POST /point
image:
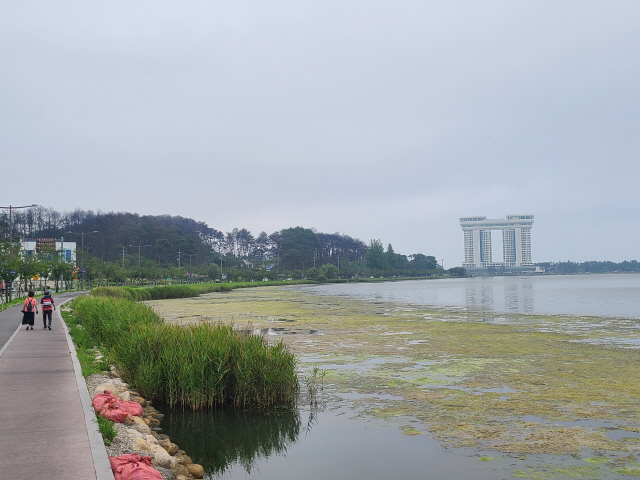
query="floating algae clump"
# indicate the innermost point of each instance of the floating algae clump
(409, 430)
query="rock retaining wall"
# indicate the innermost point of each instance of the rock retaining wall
(141, 436)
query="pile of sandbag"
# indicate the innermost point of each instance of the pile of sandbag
(133, 467)
(109, 406)
(112, 399)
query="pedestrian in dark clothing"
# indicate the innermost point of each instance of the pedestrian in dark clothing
(30, 308)
(48, 306)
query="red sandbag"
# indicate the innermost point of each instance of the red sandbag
(133, 467)
(109, 406)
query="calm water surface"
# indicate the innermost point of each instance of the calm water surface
(327, 444)
(613, 295)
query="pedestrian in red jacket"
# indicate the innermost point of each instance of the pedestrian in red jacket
(48, 306)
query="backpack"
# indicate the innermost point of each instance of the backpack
(29, 306)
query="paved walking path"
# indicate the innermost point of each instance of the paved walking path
(46, 421)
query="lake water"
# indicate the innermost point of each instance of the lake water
(338, 441)
(612, 295)
(331, 444)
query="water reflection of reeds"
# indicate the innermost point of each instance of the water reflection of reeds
(217, 439)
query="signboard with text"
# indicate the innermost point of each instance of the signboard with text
(45, 245)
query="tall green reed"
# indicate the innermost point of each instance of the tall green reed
(200, 366)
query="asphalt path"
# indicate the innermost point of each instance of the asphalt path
(11, 318)
(9, 321)
(47, 424)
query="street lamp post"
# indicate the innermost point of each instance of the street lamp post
(139, 247)
(62, 258)
(11, 208)
(180, 254)
(82, 257)
(190, 255)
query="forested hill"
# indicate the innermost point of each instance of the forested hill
(106, 234)
(168, 239)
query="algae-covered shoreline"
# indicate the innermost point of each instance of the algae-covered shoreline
(521, 385)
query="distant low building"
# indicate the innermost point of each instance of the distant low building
(36, 246)
(516, 244)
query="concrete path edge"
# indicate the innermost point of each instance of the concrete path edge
(96, 443)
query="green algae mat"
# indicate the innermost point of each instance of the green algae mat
(512, 385)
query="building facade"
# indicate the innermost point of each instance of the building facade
(516, 242)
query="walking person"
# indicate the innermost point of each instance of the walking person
(48, 306)
(30, 308)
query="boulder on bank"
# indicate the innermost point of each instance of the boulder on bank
(196, 471)
(141, 426)
(110, 387)
(183, 459)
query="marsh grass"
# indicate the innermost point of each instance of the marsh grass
(160, 292)
(182, 291)
(196, 366)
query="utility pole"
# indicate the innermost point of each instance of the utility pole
(63, 259)
(82, 257)
(11, 208)
(139, 248)
(190, 255)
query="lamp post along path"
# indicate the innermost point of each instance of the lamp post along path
(11, 208)
(82, 256)
(139, 247)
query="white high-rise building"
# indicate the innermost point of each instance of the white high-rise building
(516, 241)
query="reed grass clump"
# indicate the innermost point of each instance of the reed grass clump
(160, 292)
(199, 366)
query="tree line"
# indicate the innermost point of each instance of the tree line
(47, 264)
(570, 267)
(126, 246)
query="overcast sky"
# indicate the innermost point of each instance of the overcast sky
(386, 120)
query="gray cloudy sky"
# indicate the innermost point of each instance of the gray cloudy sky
(375, 119)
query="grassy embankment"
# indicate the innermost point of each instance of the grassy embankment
(15, 301)
(202, 366)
